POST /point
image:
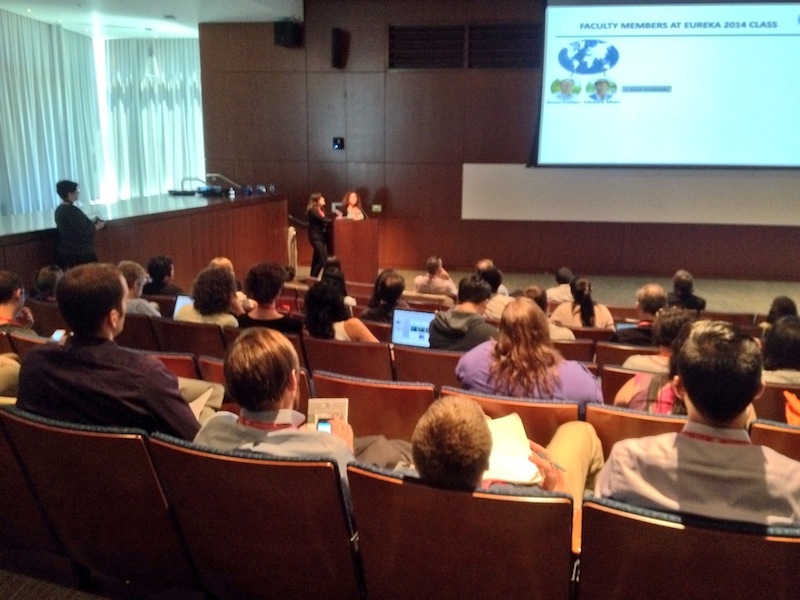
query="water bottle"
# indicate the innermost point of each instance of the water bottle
(231, 193)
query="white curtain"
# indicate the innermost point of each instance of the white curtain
(49, 119)
(155, 115)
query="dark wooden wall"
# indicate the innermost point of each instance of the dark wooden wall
(270, 114)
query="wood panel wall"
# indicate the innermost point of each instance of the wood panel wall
(271, 112)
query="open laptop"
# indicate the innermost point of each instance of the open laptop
(411, 327)
(181, 301)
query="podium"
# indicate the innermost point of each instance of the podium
(355, 243)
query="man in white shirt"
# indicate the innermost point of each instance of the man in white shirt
(436, 280)
(711, 468)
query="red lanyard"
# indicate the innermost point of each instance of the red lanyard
(265, 425)
(711, 438)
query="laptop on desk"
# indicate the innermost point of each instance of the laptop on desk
(181, 301)
(411, 327)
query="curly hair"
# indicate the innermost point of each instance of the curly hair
(524, 358)
(212, 291)
(324, 307)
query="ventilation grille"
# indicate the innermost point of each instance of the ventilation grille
(513, 46)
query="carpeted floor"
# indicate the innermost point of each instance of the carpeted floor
(14, 586)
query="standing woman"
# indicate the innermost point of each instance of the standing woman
(75, 229)
(351, 205)
(317, 231)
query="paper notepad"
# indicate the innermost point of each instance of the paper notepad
(198, 404)
(510, 450)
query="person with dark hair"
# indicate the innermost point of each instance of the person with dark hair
(161, 270)
(436, 280)
(214, 295)
(498, 301)
(136, 278)
(523, 362)
(486, 263)
(463, 327)
(75, 230)
(351, 205)
(333, 276)
(781, 351)
(666, 327)
(782, 306)
(582, 311)
(45, 282)
(650, 298)
(14, 315)
(682, 294)
(539, 296)
(389, 288)
(327, 317)
(318, 224)
(263, 283)
(709, 469)
(561, 292)
(90, 379)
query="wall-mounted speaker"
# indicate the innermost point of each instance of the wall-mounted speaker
(288, 34)
(340, 47)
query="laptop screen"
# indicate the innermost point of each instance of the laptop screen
(180, 302)
(625, 325)
(410, 327)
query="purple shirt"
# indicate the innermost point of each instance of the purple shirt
(575, 382)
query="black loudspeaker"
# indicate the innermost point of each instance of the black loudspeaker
(340, 47)
(288, 34)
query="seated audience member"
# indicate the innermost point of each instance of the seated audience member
(650, 299)
(781, 351)
(782, 306)
(214, 295)
(161, 270)
(484, 264)
(327, 317)
(333, 276)
(389, 288)
(45, 282)
(136, 277)
(463, 327)
(14, 315)
(711, 468)
(539, 296)
(452, 443)
(666, 327)
(561, 292)
(582, 311)
(497, 302)
(523, 363)
(436, 280)
(223, 262)
(263, 283)
(682, 294)
(261, 376)
(91, 380)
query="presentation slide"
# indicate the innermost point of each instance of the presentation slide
(712, 85)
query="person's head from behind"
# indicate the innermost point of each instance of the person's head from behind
(483, 264)
(160, 268)
(564, 275)
(46, 280)
(719, 369)
(581, 290)
(222, 262)
(264, 282)
(324, 307)
(682, 283)
(91, 299)
(67, 190)
(492, 276)
(389, 287)
(651, 298)
(782, 345)
(315, 201)
(782, 306)
(135, 276)
(260, 368)
(451, 444)
(473, 289)
(433, 265)
(11, 288)
(538, 295)
(668, 324)
(212, 291)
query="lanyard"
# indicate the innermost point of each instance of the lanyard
(265, 425)
(710, 438)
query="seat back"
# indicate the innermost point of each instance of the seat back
(541, 418)
(606, 353)
(181, 364)
(382, 331)
(414, 543)
(613, 424)
(377, 406)
(581, 350)
(98, 488)
(612, 378)
(772, 403)
(778, 436)
(138, 333)
(359, 359)
(25, 342)
(637, 553)
(596, 334)
(423, 364)
(287, 534)
(166, 304)
(46, 317)
(197, 338)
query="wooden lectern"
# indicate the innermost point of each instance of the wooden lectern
(355, 243)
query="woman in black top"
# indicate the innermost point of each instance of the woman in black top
(75, 229)
(263, 283)
(317, 231)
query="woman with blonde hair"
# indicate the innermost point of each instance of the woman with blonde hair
(523, 363)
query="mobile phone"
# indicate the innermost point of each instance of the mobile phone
(324, 425)
(58, 335)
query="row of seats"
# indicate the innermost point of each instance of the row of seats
(131, 514)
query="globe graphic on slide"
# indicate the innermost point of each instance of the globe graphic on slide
(588, 57)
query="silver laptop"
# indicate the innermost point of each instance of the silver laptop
(411, 327)
(180, 302)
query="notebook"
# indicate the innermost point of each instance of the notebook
(411, 327)
(180, 302)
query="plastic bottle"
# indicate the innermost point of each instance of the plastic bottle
(231, 193)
